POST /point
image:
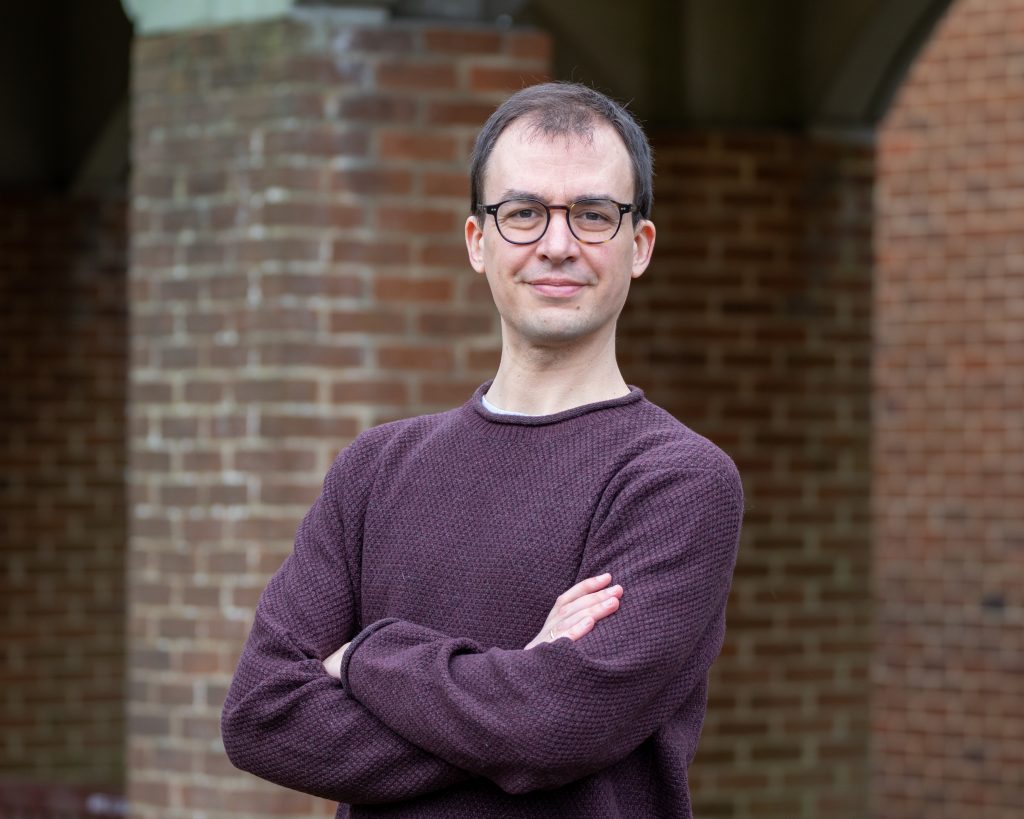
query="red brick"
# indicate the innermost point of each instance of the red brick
(375, 108)
(372, 181)
(462, 41)
(233, 286)
(371, 252)
(201, 183)
(441, 183)
(459, 325)
(276, 390)
(275, 285)
(444, 254)
(418, 75)
(278, 459)
(406, 289)
(309, 354)
(321, 141)
(470, 114)
(287, 177)
(447, 393)
(303, 426)
(254, 251)
(415, 358)
(414, 145)
(265, 106)
(384, 40)
(417, 220)
(534, 45)
(368, 321)
(203, 392)
(326, 70)
(488, 78)
(485, 361)
(199, 324)
(371, 392)
(313, 214)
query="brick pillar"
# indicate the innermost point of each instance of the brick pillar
(948, 709)
(63, 356)
(297, 275)
(752, 326)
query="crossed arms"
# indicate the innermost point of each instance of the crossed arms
(574, 615)
(417, 710)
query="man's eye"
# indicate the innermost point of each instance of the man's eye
(594, 217)
(524, 213)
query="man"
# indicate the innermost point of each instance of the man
(406, 659)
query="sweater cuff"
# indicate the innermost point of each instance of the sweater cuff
(355, 643)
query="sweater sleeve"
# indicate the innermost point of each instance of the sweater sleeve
(538, 719)
(285, 719)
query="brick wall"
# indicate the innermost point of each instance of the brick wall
(752, 325)
(62, 455)
(948, 715)
(297, 275)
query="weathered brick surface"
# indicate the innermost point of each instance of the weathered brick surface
(752, 325)
(948, 713)
(297, 274)
(63, 356)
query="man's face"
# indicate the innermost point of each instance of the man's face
(558, 291)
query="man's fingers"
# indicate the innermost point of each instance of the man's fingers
(582, 628)
(578, 608)
(591, 584)
(597, 611)
(588, 600)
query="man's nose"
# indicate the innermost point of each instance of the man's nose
(558, 243)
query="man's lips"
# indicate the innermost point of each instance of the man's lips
(557, 287)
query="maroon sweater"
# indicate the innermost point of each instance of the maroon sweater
(438, 546)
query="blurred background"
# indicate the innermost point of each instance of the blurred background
(230, 239)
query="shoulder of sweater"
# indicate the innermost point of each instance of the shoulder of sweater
(665, 436)
(372, 442)
(667, 443)
(354, 468)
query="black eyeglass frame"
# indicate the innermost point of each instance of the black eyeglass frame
(493, 211)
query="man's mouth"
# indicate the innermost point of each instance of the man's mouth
(558, 288)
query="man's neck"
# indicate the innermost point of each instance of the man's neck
(543, 382)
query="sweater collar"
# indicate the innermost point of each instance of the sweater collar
(476, 403)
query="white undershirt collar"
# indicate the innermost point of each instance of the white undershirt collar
(497, 410)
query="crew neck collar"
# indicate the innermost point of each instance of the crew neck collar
(476, 403)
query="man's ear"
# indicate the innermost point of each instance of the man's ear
(643, 246)
(475, 244)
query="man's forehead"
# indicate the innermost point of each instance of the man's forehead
(524, 149)
(531, 132)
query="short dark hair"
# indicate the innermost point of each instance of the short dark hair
(566, 109)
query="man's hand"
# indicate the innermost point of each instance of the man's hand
(332, 665)
(577, 610)
(574, 614)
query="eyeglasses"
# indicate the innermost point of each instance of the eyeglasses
(525, 221)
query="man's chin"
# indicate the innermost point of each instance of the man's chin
(553, 336)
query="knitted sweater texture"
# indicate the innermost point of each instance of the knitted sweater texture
(438, 546)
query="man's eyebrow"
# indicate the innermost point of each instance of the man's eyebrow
(513, 193)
